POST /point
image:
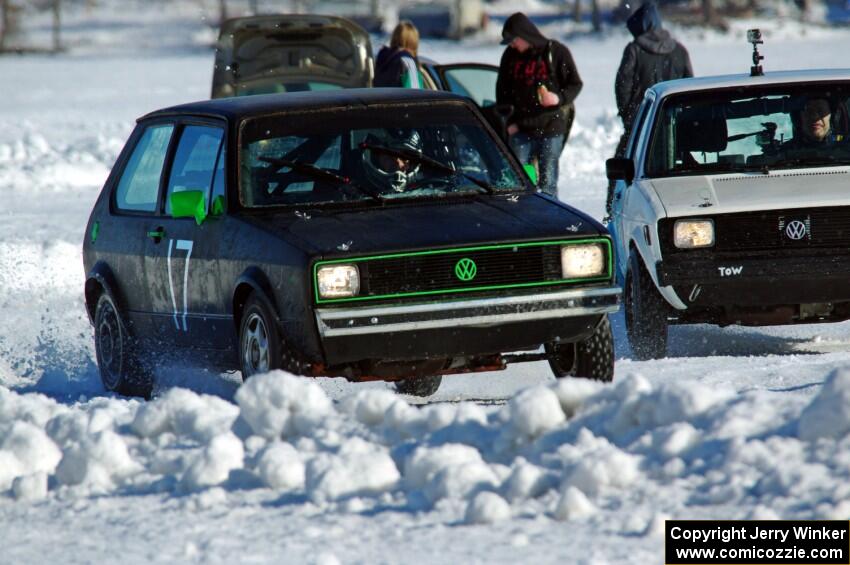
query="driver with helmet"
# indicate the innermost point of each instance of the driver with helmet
(389, 158)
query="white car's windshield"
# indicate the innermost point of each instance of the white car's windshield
(751, 130)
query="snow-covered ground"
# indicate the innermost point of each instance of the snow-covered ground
(736, 423)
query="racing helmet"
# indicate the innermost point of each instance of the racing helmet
(381, 167)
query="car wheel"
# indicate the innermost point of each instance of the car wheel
(117, 354)
(261, 347)
(592, 358)
(419, 386)
(646, 313)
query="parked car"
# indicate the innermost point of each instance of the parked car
(292, 53)
(297, 52)
(362, 233)
(731, 205)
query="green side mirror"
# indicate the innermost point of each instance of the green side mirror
(188, 204)
(217, 206)
(531, 171)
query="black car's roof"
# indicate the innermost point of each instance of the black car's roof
(241, 107)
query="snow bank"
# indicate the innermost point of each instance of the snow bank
(571, 450)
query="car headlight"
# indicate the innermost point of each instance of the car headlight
(688, 234)
(338, 281)
(582, 260)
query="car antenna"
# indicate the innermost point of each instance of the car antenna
(754, 37)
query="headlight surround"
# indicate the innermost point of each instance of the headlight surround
(338, 281)
(690, 234)
(582, 260)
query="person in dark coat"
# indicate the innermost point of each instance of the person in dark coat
(538, 77)
(396, 64)
(653, 56)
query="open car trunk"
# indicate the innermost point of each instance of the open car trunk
(287, 53)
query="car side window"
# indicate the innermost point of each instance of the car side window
(138, 188)
(637, 126)
(476, 83)
(194, 162)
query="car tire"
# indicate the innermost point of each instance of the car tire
(646, 313)
(419, 386)
(592, 358)
(261, 347)
(118, 355)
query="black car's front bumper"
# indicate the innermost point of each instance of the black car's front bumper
(462, 327)
(766, 280)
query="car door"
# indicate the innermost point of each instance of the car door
(625, 194)
(181, 253)
(474, 80)
(134, 203)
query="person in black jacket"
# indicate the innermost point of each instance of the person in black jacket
(538, 77)
(396, 64)
(653, 56)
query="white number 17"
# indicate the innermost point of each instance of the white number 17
(181, 245)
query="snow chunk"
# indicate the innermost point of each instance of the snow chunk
(828, 415)
(212, 467)
(535, 411)
(281, 467)
(527, 481)
(487, 508)
(185, 413)
(372, 407)
(597, 464)
(573, 505)
(278, 404)
(99, 461)
(30, 488)
(25, 450)
(573, 393)
(449, 471)
(359, 468)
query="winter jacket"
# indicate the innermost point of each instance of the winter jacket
(396, 67)
(652, 57)
(546, 63)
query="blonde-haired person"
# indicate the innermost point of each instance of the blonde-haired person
(396, 64)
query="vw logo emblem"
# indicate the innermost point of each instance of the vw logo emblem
(465, 269)
(795, 230)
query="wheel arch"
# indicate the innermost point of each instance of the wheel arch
(252, 279)
(101, 280)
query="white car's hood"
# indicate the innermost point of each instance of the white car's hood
(723, 194)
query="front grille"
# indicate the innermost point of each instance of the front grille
(772, 230)
(434, 272)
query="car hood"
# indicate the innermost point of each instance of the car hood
(429, 225)
(723, 194)
(290, 50)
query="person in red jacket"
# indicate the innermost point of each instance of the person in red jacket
(538, 77)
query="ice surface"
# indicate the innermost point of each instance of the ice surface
(735, 423)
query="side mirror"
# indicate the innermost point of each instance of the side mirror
(620, 168)
(188, 204)
(531, 171)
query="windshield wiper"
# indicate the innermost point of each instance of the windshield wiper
(428, 162)
(319, 173)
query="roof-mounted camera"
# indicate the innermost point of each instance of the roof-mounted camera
(754, 37)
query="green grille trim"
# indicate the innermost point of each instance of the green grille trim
(343, 261)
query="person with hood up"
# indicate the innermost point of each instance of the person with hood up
(538, 77)
(396, 64)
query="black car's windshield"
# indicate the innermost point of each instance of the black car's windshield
(747, 129)
(386, 153)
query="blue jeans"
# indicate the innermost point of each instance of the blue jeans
(548, 152)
